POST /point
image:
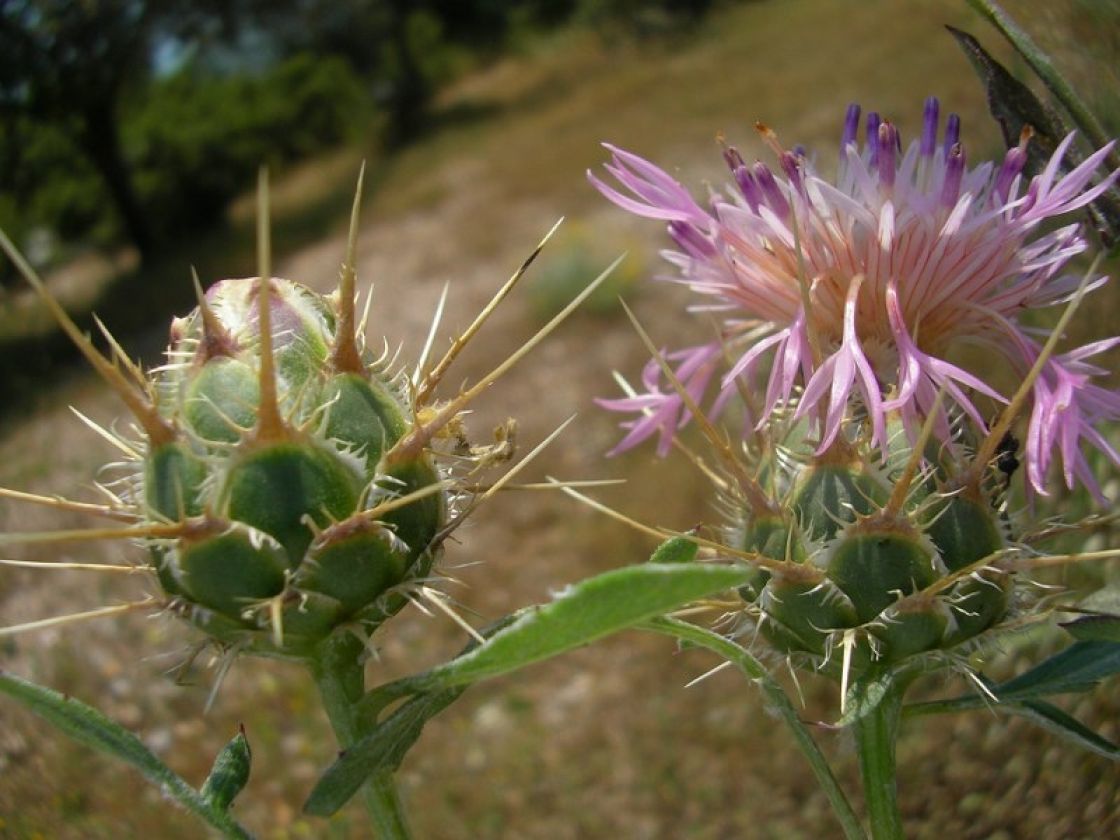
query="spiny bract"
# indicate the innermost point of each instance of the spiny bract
(283, 480)
(868, 558)
(277, 504)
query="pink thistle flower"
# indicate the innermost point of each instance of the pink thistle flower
(903, 258)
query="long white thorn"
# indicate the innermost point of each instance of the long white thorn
(709, 673)
(59, 503)
(609, 511)
(92, 567)
(432, 378)
(752, 492)
(102, 432)
(438, 600)
(409, 445)
(847, 644)
(524, 462)
(988, 446)
(437, 316)
(57, 620)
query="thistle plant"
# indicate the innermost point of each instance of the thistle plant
(866, 478)
(291, 492)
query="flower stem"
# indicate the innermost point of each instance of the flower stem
(780, 702)
(876, 734)
(338, 672)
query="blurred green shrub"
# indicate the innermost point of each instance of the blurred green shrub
(196, 143)
(640, 18)
(47, 187)
(574, 258)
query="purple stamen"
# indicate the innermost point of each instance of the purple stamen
(952, 134)
(771, 190)
(929, 127)
(888, 143)
(1013, 163)
(954, 170)
(851, 129)
(873, 138)
(732, 157)
(791, 165)
(748, 187)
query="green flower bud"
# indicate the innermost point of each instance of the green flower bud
(280, 539)
(859, 547)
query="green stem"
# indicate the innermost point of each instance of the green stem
(779, 701)
(1040, 63)
(876, 734)
(339, 674)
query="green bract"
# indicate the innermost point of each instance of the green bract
(281, 535)
(864, 556)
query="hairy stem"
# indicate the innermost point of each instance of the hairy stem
(780, 702)
(876, 734)
(338, 673)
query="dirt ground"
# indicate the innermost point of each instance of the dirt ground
(603, 742)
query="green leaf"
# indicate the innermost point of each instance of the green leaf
(229, 773)
(1054, 720)
(1040, 63)
(1013, 104)
(88, 726)
(583, 613)
(1094, 628)
(379, 752)
(1077, 668)
(675, 550)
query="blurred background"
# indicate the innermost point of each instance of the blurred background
(131, 134)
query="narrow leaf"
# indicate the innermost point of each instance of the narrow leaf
(1094, 628)
(229, 773)
(379, 752)
(88, 726)
(583, 613)
(1013, 104)
(1040, 62)
(1054, 720)
(1077, 668)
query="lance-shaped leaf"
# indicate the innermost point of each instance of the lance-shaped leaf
(379, 752)
(1057, 722)
(1080, 667)
(1014, 107)
(583, 613)
(88, 726)
(1013, 104)
(1094, 628)
(1077, 668)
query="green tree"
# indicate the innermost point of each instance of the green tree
(69, 65)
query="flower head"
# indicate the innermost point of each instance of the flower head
(861, 289)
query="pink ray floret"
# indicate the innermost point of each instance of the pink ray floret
(861, 290)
